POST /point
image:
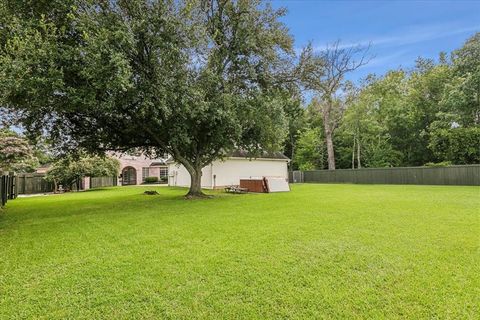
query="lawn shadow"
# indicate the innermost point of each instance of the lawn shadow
(110, 202)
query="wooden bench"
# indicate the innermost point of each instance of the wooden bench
(235, 189)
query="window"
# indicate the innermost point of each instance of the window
(145, 173)
(163, 173)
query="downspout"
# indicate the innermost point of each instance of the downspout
(213, 176)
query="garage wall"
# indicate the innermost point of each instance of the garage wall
(229, 172)
(232, 170)
(178, 176)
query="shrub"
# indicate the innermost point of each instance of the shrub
(438, 164)
(457, 145)
(151, 179)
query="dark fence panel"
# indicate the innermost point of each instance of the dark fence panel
(7, 188)
(98, 182)
(451, 175)
(29, 183)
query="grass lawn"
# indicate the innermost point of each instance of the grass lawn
(320, 251)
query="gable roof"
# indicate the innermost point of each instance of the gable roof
(239, 153)
(158, 163)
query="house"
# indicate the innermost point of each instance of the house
(42, 169)
(227, 172)
(135, 168)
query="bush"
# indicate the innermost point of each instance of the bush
(151, 179)
(438, 164)
(457, 145)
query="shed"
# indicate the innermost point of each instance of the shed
(238, 165)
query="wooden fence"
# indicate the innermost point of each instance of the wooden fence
(98, 182)
(451, 175)
(29, 183)
(7, 188)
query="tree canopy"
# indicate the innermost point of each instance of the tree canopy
(407, 117)
(191, 78)
(199, 78)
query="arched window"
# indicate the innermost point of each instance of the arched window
(129, 176)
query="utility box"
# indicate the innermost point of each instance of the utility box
(254, 184)
(265, 184)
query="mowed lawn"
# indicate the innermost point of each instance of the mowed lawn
(320, 251)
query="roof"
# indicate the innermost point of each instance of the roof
(265, 155)
(43, 168)
(158, 163)
(245, 154)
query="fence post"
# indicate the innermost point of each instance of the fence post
(11, 186)
(3, 191)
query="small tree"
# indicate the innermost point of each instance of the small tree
(295, 114)
(310, 150)
(16, 154)
(69, 170)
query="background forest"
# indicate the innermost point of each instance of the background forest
(429, 115)
(425, 115)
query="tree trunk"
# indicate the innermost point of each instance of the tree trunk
(359, 163)
(328, 128)
(353, 153)
(330, 151)
(292, 156)
(195, 190)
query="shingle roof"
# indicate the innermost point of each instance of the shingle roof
(265, 155)
(157, 163)
(245, 154)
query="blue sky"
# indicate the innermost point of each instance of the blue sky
(399, 31)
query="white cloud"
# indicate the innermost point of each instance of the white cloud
(386, 59)
(420, 34)
(410, 35)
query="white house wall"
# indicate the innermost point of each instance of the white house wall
(229, 172)
(179, 176)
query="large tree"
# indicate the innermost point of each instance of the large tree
(324, 73)
(192, 78)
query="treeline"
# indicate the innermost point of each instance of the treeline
(429, 115)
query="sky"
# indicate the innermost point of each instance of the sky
(398, 31)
